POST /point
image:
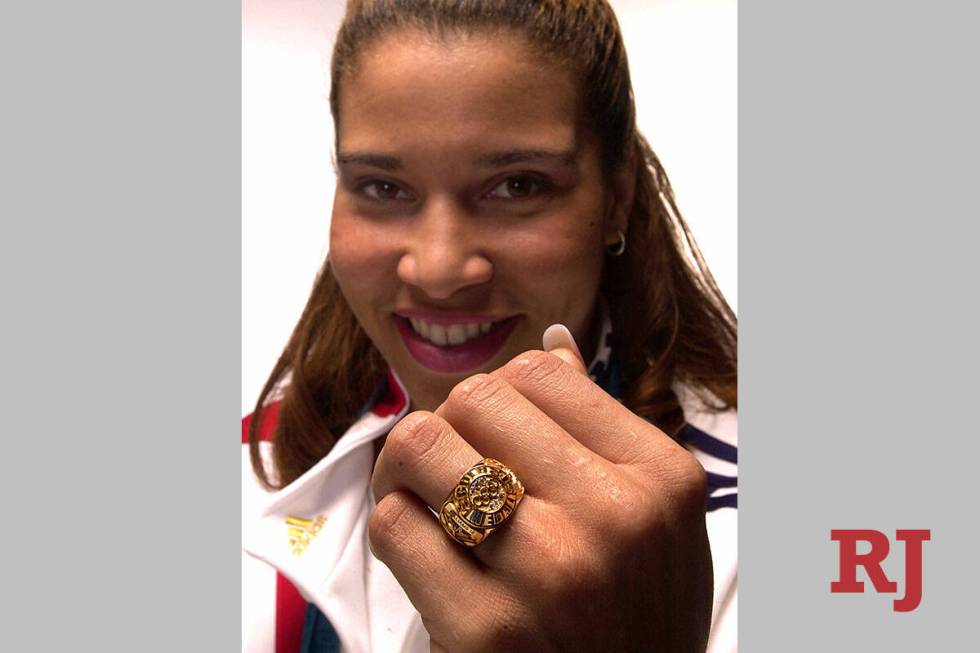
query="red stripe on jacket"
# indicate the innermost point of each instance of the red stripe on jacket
(392, 401)
(290, 604)
(269, 416)
(290, 614)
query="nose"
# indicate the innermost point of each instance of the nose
(444, 253)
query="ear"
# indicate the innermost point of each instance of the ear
(623, 188)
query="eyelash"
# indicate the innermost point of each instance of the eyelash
(539, 185)
(362, 189)
(542, 186)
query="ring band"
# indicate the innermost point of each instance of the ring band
(485, 497)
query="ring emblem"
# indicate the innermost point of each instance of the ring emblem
(485, 497)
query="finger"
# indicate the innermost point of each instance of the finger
(434, 571)
(424, 455)
(585, 411)
(558, 340)
(530, 538)
(569, 356)
(501, 423)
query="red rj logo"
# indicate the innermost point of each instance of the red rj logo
(871, 561)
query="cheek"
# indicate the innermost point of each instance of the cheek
(567, 255)
(555, 275)
(361, 258)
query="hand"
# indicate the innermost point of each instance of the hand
(608, 550)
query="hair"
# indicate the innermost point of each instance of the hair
(670, 320)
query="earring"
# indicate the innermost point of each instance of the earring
(618, 248)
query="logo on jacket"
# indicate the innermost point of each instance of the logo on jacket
(302, 532)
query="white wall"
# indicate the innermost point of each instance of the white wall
(683, 57)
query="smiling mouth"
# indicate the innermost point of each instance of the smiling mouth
(454, 348)
(451, 334)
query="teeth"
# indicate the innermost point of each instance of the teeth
(437, 334)
(455, 334)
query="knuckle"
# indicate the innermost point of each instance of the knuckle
(676, 483)
(642, 524)
(689, 481)
(697, 476)
(475, 391)
(415, 438)
(389, 523)
(535, 367)
(634, 515)
(634, 509)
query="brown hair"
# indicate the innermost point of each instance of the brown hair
(670, 320)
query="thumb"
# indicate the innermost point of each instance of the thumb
(558, 340)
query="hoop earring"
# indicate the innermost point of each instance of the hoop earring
(618, 248)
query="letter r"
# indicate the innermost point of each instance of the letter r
(871, 561)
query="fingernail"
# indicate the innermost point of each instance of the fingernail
(558, 335)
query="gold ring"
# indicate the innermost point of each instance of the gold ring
(485, 497)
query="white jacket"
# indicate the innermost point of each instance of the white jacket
(312, 535)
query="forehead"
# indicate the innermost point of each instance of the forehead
(469, 92)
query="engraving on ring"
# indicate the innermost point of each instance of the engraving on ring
(484, 498)
(487, 494)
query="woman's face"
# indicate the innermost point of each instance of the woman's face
(471, 211)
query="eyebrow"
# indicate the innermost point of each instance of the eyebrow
(383, 161)
(492, 160)
(510, 157)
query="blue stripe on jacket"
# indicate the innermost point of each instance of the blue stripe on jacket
(709, 444)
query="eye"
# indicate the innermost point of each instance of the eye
(383, 191)
(519, 187)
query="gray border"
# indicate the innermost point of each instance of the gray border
(858, 223)
(120, 254)
(120, 265)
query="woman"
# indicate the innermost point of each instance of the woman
(491, 183)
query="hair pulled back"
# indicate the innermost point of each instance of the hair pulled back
(671, 322)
